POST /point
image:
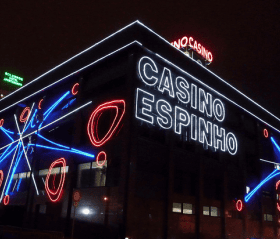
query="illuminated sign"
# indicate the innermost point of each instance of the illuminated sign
(178, 105)
(13, 79)
(184, 42)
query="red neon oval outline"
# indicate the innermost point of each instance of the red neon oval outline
(22, 118)
(239, 208)
(73, 89)
(1, 122)
(40, 103)
(265, 133)
(98, 156)
(119, 105)
(1, 177)
(58, 192)
(6, 200)
(277, 204)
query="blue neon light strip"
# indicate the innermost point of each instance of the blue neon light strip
(57, 144)
(19, 182)
(19, 155)
(47, 113)
(31, 120)
(64, 150)
(8, 131)
(7, 154)
(5, 131)
(270, 176)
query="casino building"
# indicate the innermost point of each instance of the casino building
(157, 145)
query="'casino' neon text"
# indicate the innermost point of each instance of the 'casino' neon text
(179, 115)
(184, 42)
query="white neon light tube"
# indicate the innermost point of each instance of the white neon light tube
(71, 74)
(72, 58)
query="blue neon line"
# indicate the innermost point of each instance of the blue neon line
(19, 182)
(68, 104)
(12, 174)
(64, 150)
(31, 121)
(270, 176)
(3, 157)
(6, 133)
(59, 145)
(3, 154)
(54, 105)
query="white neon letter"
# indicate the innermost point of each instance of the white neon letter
(190, 39)
(219, 138)
(182, 118)
(182, 87)
(144, 101)
(166, 82)
(205, 132)
(231, 143)
(205, 103)
(148, 71)
(219, 110)
(193, 127)
(164, 109)
(193, 96)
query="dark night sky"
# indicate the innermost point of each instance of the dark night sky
(242, 35)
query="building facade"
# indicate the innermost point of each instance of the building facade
(156, 144)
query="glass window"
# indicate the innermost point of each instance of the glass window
(214, 211)
(177, 207)
(188, 208)
(206, 210)
(268, 217)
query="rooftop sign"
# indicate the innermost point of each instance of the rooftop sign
(184, 42)
(13, 79)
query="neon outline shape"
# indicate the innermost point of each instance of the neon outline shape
(22, 118)
(1, 177)
(265, 133)
(73, 89)
(1, 122)
(55, 196)
(40, 104)
(92, 127)
(239, 206)
(98, 156)
(277, 204)
(6, 200)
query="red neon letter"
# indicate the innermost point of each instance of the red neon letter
(22, 117)
(1, 122)
(92, 127)
(177, 45)
(277, 204)
(40, 103)
(239, 205)
(6, 200)
(55, 196)
(98, 158)
(75, 89)
(184, 42)
(265, 133)
(190, 39)
(1, 177)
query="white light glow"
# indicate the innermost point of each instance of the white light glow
(86, 211)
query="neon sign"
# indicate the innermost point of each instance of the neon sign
(184, 42)
(13, 79)
(182, 117)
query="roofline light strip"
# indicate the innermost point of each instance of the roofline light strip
(216, 91)
(73, 57)
(270, 162)
(213, 73)
(98, 60)
(48, 124)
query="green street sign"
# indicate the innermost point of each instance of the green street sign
(13, 79)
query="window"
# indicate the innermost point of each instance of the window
(205, 210)
(188, 208)
(268, 217)
(177, 207)
(211, 211)
(20, 182)
(91, 175)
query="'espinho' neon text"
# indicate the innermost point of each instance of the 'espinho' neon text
(155, 110)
